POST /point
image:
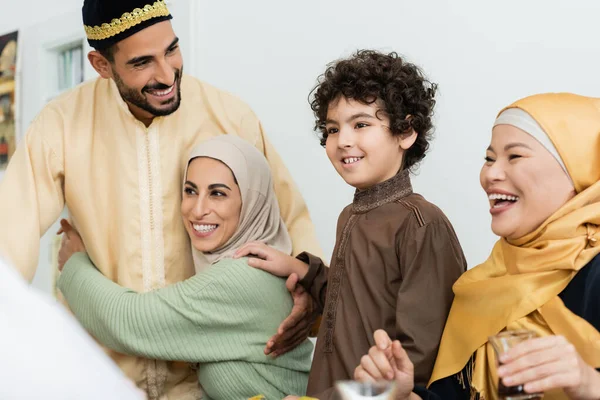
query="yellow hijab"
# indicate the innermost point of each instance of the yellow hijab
(518, 286)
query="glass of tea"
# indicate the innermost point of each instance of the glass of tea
(353, 390)
(502, 343)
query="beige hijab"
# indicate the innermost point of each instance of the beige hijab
(260, 219)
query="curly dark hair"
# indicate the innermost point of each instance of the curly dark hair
(370, 76)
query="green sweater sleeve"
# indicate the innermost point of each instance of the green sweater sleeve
(226, 312)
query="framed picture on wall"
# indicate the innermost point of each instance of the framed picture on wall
(8, 73)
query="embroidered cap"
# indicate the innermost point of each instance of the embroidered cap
(107, 22)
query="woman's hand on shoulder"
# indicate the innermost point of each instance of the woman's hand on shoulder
(547, 363)
(271, 260)
(71, 243)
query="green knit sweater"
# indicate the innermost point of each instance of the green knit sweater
(220, 318)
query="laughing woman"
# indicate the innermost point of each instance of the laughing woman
(542, 178)
(223, 316)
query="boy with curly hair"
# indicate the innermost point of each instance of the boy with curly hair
(396, 255)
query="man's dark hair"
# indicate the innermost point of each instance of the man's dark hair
(109, 52)
(400, 87)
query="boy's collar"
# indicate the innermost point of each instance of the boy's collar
(385, 192)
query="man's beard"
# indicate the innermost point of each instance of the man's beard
(137, 98)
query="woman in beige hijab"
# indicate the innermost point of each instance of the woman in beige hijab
(223, 316)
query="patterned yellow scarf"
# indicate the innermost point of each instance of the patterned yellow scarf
(518, 286)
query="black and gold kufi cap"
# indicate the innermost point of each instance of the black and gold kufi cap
(107, 22)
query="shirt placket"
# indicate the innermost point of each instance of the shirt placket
(152, 243)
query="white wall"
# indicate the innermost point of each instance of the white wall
(483, 54)
(21, 13)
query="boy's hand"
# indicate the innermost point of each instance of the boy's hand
(271, 260)
(388, 361)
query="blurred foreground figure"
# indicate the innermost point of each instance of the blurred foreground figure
(45, 354)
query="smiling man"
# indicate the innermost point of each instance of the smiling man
(113, 150)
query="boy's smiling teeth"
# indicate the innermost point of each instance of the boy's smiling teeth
(204, 227)
(351, 160)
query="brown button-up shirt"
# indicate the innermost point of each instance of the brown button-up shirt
(394, 263)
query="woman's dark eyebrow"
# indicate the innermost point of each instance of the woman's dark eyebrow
(192, 184)
(218, 185)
